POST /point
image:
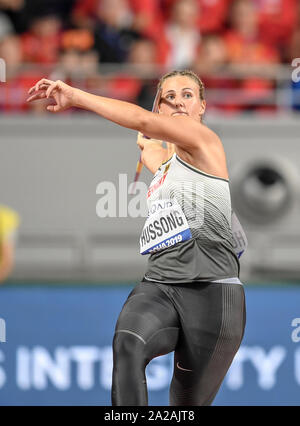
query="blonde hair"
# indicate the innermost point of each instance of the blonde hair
(183, 73)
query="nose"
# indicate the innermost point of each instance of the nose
(179, 102)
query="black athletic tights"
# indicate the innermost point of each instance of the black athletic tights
(202, 322)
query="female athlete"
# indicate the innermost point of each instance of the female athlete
(190, 300)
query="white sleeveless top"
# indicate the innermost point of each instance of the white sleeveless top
(188, 229)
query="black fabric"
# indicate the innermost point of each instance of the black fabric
(203, 323)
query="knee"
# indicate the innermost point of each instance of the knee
(128, 347)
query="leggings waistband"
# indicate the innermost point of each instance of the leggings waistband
(233, 280)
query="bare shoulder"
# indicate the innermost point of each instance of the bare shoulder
(208, 155)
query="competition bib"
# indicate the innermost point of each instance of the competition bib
(165, 226)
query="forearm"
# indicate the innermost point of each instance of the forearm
(120, 112)
(153, 157)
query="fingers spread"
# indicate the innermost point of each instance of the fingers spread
(50, 89)
(36, 96)
(43, 82)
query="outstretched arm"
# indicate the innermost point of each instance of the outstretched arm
(182, 131)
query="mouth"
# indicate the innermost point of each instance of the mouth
(180, 113)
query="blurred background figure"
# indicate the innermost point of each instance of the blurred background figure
(138, 82)
(247, 49)
(182, 35)
(211, 62)
(277, 22)
(78, 60)
(113, 30)
(40, 44)
(19, 78)
(9, 223)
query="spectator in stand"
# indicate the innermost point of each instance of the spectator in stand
(18, 80)
(7, 9)
(84, 13)
(22, 12)
(212, 18)
(212, 56)
(41, 43)
(6, 27)
(137, 85)
(245, 48)
(212, 14)
(113, 31)
(211, 64)
(277, 21)
(147, 17)
(78, 62)
(182, 37)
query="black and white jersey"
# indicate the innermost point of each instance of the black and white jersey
(188, 230)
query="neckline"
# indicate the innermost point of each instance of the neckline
(198, 170)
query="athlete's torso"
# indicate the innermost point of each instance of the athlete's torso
(188, 231)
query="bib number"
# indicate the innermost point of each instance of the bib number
(165, 226)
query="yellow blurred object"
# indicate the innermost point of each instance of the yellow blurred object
(9, 222)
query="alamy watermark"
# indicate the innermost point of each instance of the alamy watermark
(2, 71)
(115, 201)
(121, 201)
(2, 331)
(296, 332)
(296, 72)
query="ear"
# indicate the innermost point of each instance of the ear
(202, 110)
(203, 107)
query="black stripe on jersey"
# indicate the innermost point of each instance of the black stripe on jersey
(199, 171)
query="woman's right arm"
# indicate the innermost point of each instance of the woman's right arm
(153, 154)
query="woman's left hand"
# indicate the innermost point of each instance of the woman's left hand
(62, 93)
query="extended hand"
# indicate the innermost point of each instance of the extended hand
(62, 94)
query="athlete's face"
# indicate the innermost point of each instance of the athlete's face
(180, 96)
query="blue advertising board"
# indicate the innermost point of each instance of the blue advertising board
(55, 348)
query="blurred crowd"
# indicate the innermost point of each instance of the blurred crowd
(77, 40)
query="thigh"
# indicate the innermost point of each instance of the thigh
(212, 317)
(212, 327)
(149, 314)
